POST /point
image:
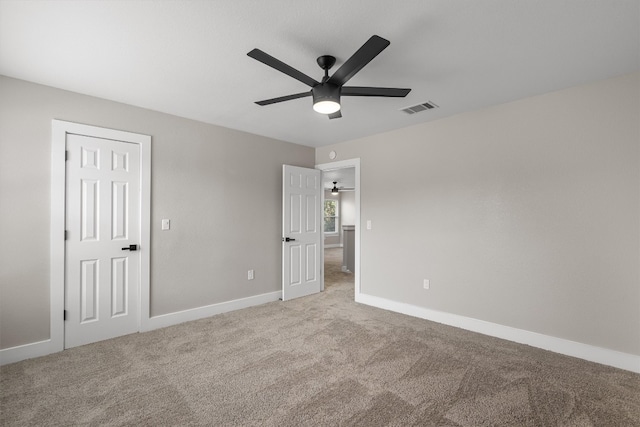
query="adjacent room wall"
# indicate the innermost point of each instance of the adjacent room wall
(526, 214)
(221, 188)
(348, 207)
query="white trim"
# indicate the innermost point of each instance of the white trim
(342, 164)
(322, 199)
(57, 226)
(588, 352)
(171, 319)
(59, 131)
(42, 348)
(26, 351)
(334, 245)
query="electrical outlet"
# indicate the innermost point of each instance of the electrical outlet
(425, 284)
(250, 275)
(368, 224)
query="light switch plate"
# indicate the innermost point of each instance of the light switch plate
(166, 224)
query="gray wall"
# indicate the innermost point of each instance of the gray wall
(221, 189)
(526, 214)
(348, 207)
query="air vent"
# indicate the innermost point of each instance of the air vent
(420, 107)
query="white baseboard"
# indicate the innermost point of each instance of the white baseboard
(171, 319)
(27, 351)
(42, 348)
(588, 352)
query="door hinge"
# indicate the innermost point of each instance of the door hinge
(66, 234)
(64, 314)
(66, 155)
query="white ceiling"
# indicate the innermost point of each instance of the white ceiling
(188, 58)
(345, 178)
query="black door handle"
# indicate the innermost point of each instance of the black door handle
(131, 248)
(287, 239)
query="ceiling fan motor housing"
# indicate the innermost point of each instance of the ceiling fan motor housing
(326, 92)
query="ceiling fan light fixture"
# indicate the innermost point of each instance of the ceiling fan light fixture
(334, 190)
(326, 107)
(326, 98)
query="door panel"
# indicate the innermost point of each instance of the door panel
(295, 214)
(310, 258)
(301, 255)
(89, 290)
(311, 213)
(102, 218)
(119, 217)
(89, 207)
(296, 263)
(119, 286)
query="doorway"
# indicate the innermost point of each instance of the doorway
(101, 206)
(341, 223)
(102, 260)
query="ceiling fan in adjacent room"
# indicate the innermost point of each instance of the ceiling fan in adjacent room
(326, 93)
(335, 190)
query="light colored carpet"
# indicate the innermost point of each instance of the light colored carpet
(316, 361)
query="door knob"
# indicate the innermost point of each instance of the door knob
(131, 248)
(287, 239)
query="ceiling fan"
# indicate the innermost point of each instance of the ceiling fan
(335, 190)
(326, 93)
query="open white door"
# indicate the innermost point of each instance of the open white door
(301, 232)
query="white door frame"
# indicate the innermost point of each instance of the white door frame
(342, 164)
(59, 131)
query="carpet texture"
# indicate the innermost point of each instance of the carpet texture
(321, 360)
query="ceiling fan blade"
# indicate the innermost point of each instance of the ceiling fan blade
(272, 62)
(335, 115)
(374, 91)
(362, 57)
(283, 98)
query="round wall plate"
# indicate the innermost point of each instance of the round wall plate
(332, 154)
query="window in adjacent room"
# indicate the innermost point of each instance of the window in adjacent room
(330, 216)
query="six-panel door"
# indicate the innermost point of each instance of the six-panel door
(102, 219)
(301, 224)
